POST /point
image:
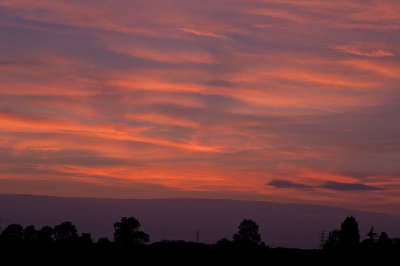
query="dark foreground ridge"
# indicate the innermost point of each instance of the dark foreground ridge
(204, 220)
(62, 244)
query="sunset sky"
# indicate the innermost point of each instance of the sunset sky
(294, 101)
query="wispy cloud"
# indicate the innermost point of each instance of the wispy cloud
(203, 33)
(364, 49)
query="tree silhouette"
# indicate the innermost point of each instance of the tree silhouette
(86, 239)
(65, 232)
(384, 242)
(29, 233)
(223, 243)
(45, 234)
(248, 233)
(104, 242)
(349, 235)
(370, 242)
(332, 241)
(127, 233)
(13, 232)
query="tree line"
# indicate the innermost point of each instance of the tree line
(128, 233)
(348, 237)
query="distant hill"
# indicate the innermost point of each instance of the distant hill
(284, 225)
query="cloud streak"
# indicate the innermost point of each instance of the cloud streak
(287, 184)
(331, 185)
(348, 186)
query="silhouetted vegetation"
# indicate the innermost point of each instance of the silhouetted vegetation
(45, 235)
(246, 245)
(13, 233)
(333, 240)
(349, 236)
(248, 234)
(348, 239)
(65, 232)
(127, 233)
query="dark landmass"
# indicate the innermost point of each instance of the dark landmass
(64, 244)
(209, 220)
(191, 254)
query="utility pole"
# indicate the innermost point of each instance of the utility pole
(321, 239)
(197, 236)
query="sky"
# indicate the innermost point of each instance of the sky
(293, 101)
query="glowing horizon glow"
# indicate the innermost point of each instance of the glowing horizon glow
(285, 101)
